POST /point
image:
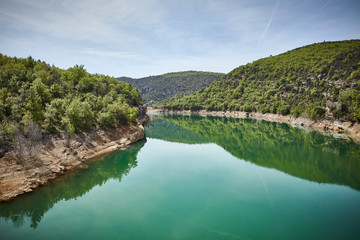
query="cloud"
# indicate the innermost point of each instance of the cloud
(84, 20)
(110, 54)
(325, 5)
(136, 37)
(270, 21)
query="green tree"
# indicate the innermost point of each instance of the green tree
(80, 115)
(54, 112)
(35, 107)
(317, 113)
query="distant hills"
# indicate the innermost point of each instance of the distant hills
(155, 89)
(318, 81)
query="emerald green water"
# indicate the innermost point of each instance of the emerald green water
(202, 178)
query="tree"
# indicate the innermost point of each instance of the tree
(53, 114)
(117, 113)
(41, 90)
(317, 113)
(80, 115)
(35, 107)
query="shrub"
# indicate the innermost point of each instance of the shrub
(284, 110)
(80, 115)
(295, 112)
(248, 108)
(317, 113)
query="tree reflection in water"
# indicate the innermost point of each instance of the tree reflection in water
(305, 154)
(70, 186)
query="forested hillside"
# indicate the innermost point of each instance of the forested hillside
(157, 88)
(318, 81)
(36, 98)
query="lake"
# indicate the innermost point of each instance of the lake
(202, 178)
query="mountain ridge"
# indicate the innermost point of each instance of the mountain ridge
(155, 89)
(317, 81)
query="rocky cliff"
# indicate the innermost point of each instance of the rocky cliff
(59, 155)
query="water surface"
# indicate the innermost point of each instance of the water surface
(202, 178)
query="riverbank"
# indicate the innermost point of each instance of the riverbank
(60, 155)
(338, 128)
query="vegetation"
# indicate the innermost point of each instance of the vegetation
(155, 89)
(191, 73)
(317, 81)
(32, 93)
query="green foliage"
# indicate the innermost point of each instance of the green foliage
(155, 89)
(349, 104)
(53, 114)
(59, 100)
(295, 111)
(191, 73)
(284, 109)
(80, 115)
(34, 105)
(317, 113)
(117, 113)
(293, 83)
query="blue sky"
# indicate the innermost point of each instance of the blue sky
(138, 38)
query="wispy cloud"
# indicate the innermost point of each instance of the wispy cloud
(140, 37)
(325, 5)
(110, 54)
(89, 20)
(270, 21)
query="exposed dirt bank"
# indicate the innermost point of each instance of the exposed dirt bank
(59, 155)
(346, 129)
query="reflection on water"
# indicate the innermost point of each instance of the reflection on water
(186, 186)
(71, 186)
(308, 155)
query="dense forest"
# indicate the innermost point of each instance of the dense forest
(36, 98)
(155, 89)
(316, 81)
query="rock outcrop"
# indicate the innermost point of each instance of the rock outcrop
(58, 155)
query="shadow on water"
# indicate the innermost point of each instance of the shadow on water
(70, 186)
(307, 155)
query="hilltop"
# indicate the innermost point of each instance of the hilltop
(36, 98)
(155, 89)
(316, 81)
(52, 120)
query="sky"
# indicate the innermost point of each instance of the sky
(139, 38)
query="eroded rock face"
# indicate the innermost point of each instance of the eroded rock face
(60, 155)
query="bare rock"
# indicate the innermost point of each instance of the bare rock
(16, 179)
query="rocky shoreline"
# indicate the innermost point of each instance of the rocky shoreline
(338, 128)
(59, 155)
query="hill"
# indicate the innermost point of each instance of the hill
(316, 81)
(154, 89)
(37, 99)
